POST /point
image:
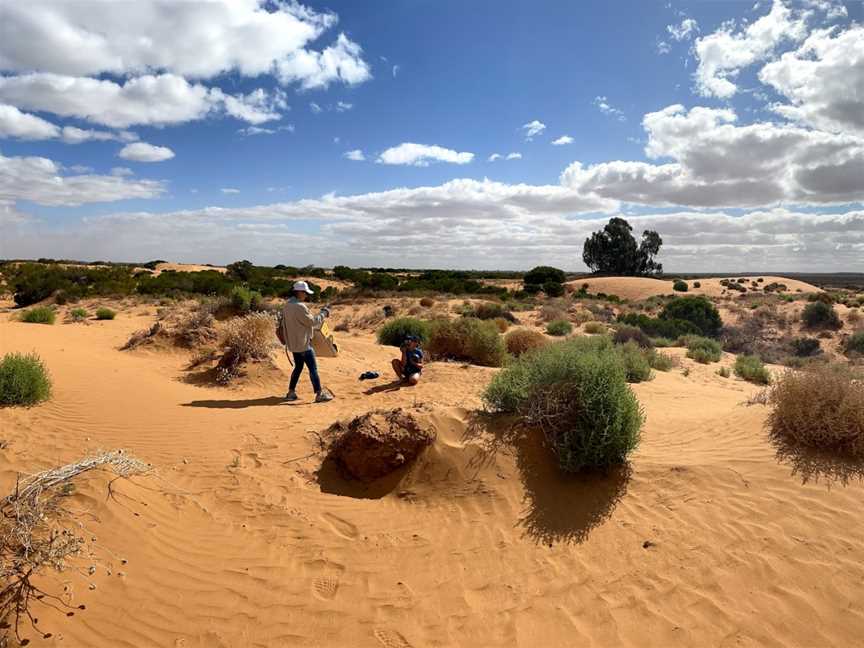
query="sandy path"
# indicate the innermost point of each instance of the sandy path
(484, 543)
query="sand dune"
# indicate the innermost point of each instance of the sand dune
(645, 287)
(706, 540)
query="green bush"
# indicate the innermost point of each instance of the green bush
(702, 349)
(559, 328)
(751, 369)
(491, 311)
(394, 332)
(553, 289)
(818, 314)
(697, 310)
(679, 285)
(855, 344)
(39, 315)
(697, 284)
(656, 327)
(241, 299)
(636, 362)
(624, 334)
(105, 314)
(78, 314)
(595, 328)
(23, 380)
(521, 340)
(467, 339)
(576, 391)
(806, 347)
(724, 372)
(663, 342)
(661, 361)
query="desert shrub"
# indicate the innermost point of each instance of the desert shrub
(697, 310)
(256, 301)
(24, 380)
(502, 324)
(656, 327)
(821, 407)
(679, 285)
(549, 313)
(553, 289)
(241, 299)
(105, 314)
(661, 361)
(823, 297)
(468, 339)
(518, 341)
(751, 369)
(582, 316)
(663, 342)
(427, 302)
(491, 311)
(702, 349)
(853, 316)
(636, 363)
(247, 338)
(78, 314)
(805, 347)
(595, 328)
(394, 332)
(39, 315)
(724, 372)
(559, 327)
(818, 314)
(697, 284)
(855, 344)
(576, 392)
(624, 334)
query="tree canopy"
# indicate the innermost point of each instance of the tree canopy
(614, 250)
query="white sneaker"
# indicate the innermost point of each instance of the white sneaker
(323, 396)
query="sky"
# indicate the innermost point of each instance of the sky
(409, 133)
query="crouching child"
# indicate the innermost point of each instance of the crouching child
(409, 367)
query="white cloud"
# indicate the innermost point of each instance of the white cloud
(663, 47)
(229, 190)
(315, 108)
(396, 69)
(723, 53)
(532, 129)
(342, 106)
(606, 108)
(356, 155)
(409, 153)
(122, 171)
(14, 123)
(143, 152)
(73, 135)
(42, 181)
(823, 80)
(256, 107)
(494, 157)
(513, 156)
(192, 39)
(259, 130)
(684, 30)
(716, 163)
(563, 140)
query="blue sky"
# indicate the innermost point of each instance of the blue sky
(463, 77)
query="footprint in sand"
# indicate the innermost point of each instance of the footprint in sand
(391, 639)
(325, 587)
(341, 526)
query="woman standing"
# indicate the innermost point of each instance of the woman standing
(299, 326)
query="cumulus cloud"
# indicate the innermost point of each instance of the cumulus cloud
(341, 61)
(606, 108)
(343, 106)
(684, 30)
(716, 163)
(356, 155)
(143, 152)
(14, 123)
(562, 141)
(823, 80)
(532, 129)
(510, 156)
(724, 52)
(514, 156)
(40, 180)
(409, 153)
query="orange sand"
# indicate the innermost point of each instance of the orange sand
(234, 542)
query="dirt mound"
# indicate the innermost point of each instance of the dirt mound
(377, 443)
(196, 330)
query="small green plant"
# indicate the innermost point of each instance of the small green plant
(663, 342)
(241, 299)
(685, 372)
(576, 392)
(818, 314)
(661, 361)
(78, 314)
(855, 344)
(636, 362)
(679, 286)
(595, 328)
(559, 328)
(751, 369)
(105, 314)
(724, 372)
(702, 349)
(24, 380)
(394, 332)
(39, 315)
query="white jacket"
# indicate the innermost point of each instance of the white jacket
(299, 325)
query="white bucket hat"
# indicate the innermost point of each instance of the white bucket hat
(302, 286)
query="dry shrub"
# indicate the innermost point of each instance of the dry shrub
(415, 310)
(518, 341)
(247, 339)
(344, 326)
(821, 407)
(502, 324)
(550, 313)
(468, 339)
(197, 329)
(39, 534)
(853, 316)
(427, 302)
(581, 315)
(624, 334)
(595, 328)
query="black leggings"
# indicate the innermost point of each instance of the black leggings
(305, 358)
